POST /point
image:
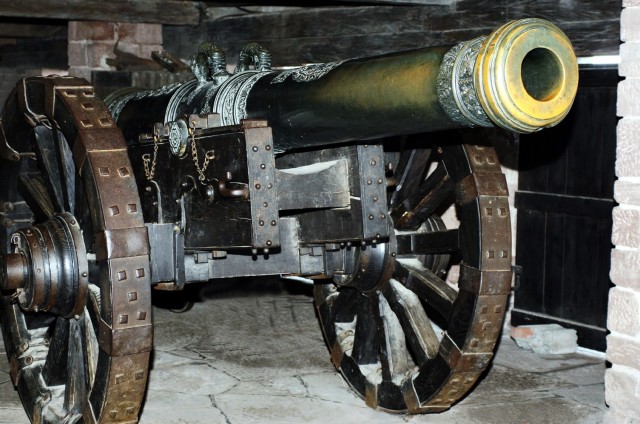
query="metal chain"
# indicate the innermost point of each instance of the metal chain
(149, 173)
(208, 156)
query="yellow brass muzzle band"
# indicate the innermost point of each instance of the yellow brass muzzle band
(526, 75)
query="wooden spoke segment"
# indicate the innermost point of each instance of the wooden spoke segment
(86, 361)
(420, 341)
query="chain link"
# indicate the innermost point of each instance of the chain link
(149, 173)
(208, 156)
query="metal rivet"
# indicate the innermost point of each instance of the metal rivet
(261, 223)
(267, 147)
(380, 180)
(265, 204)
(269, 243)
(273, 223)
(371, 217)
(369, 182)
(263, 166)
(255, 148)
(269, 186)
(373, 162)
(258, 186)
(84, 274)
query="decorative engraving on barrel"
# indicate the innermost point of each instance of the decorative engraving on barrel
(456, 86)
(307, 73)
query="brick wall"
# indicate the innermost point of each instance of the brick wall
(622, 380)
(92, 43)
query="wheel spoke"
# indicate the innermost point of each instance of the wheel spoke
(409, 174)
(47, 154)
(68, 171)
(55, 367)
(421, 243)
(366, 348)
(428, 286)
(344, 308)
(77, 384)
(412, 212)
(393, 347)
(34, 191)
(420, 335)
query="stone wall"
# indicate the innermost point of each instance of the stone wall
(622, 380)
(92, 43)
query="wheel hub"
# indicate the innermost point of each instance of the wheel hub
(49, 268)
(368, 267)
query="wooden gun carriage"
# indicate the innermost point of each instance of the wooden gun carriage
(292, 172)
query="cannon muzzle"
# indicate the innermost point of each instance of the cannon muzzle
(522, 77)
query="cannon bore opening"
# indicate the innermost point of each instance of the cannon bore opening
(542, 74)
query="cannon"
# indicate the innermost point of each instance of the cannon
(295, 172)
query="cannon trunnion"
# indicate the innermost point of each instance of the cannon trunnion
(407, 242)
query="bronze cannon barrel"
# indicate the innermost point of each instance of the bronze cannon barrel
(522, 77)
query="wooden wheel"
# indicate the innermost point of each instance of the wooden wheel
(404, 337)
(75, 306)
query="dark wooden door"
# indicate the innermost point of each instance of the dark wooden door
(564, 204)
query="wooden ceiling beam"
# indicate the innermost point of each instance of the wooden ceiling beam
(174, 12)
(18, 30)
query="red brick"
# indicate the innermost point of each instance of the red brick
(140, 33)
(91, 30)
(521, 332)
(623, 313)
(627, 151)
(630, 24)
(625, 268)
(622, 390)
(623, 350)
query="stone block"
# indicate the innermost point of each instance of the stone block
(630, 24)
(628, 147)
(147, 49)
(622, 390)
(628, 95)
(615, 417)
(77, 53)
(546, 338)
(627, 191)
(629, 59)
(131, 48)
(91, 30)
(80, 72)
(623, 312)
(625, 268)
(97, 54)
(626, 227)
(140, 33)
(623, 350)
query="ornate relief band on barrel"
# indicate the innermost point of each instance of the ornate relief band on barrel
(231, 99)
(456, 88)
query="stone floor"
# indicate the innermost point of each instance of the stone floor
(256, 355)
